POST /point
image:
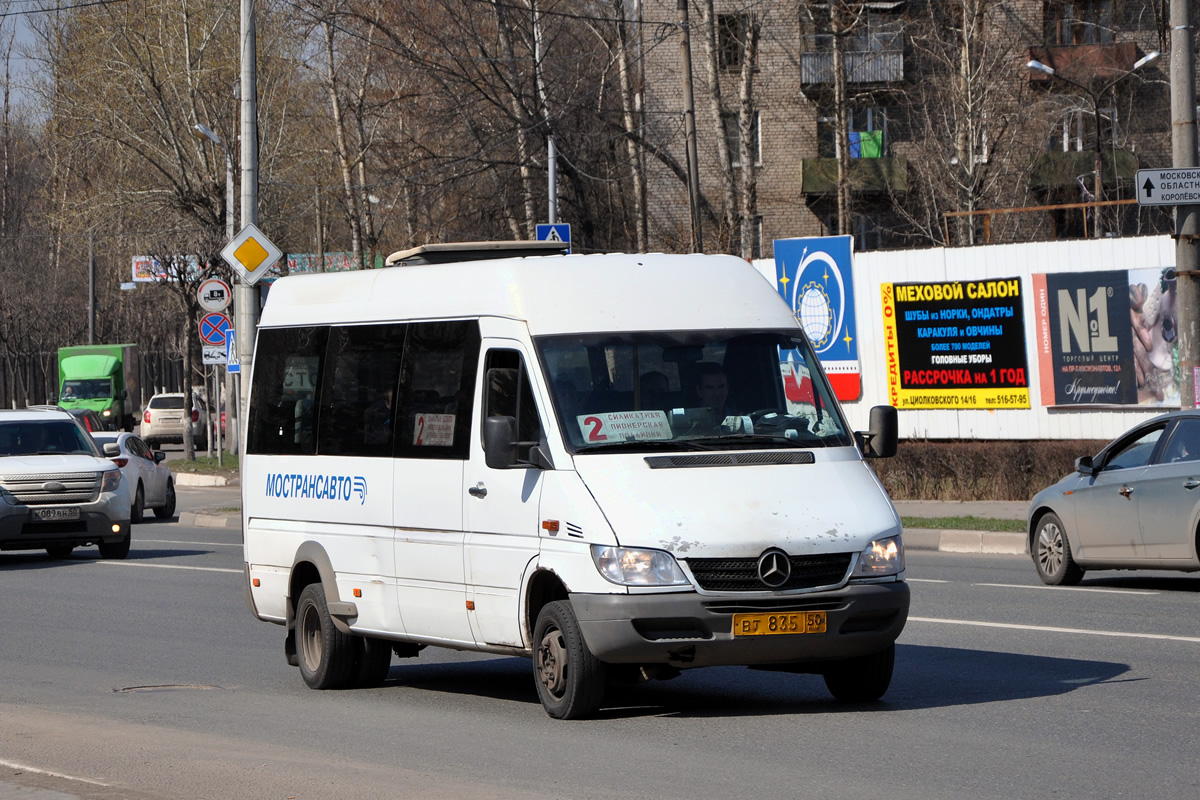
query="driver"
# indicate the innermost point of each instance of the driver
(712, 390)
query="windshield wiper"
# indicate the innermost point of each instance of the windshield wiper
(758, 438)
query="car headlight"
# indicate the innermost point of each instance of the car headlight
(106, 412)
(629, 566)
(882, 557)
(110, 480)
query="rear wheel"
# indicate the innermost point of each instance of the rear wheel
(117, 549)
(326, 655)
(570, 680)
(59, 550)
(137, 509)
(167, 509)
(863, 679)
(372, 662)
(1052, 554)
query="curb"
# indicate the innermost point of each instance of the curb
(200, 479)
(199, 519)
(951, 541)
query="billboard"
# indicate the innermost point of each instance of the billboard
(814, 276)
(1107, 338)
(956, 344)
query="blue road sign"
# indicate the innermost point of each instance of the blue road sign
(232, 364)
(213, 329)
(555, 232)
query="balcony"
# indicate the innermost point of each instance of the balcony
(877, 58)
(1062, 169)
(819, 175)
(1085, 62)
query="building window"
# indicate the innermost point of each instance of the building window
(1077, 130)
(867, 136)
(731, 40)
(1074, 22)
(733, 138)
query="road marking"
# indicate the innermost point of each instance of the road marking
(1066, 588)
(924, 580)
(1049, 629)
(27, 768)
(168, 566)
(176, 541)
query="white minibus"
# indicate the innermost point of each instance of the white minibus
(618, 466)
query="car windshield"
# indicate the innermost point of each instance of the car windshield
(93, 389)
(658, 390)
(42, 437)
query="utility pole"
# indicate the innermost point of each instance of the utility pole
(552, 179)
(246, 294)
(91, 287)
(689, 127)
(1187, 218)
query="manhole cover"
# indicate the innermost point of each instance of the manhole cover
(166, 687)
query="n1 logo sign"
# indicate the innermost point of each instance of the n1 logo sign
(1077, 323)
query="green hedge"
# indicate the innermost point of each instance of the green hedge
(978, 470)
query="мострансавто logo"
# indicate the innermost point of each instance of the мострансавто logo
(316, 487)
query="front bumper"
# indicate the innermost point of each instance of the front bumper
(19, 530)
(692, 630)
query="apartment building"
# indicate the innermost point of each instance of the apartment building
(927, 109)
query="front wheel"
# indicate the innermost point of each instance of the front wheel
(118, 549)
(167, 509)
(570, 680)
(863, 679)
(1052, 554)
(326, 655)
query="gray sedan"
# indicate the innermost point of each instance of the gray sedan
(1134, 505)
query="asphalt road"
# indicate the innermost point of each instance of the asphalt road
(149, 678)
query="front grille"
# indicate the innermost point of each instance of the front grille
(78, 487)
(741, 574)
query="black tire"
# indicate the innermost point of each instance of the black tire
(137, 509)
(1052, 553)
(167, 509)
(59, 550)
(570, 680)
(861, 680)
(372, 662)
(116, 550)
(326, 655)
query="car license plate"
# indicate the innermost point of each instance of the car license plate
(55, 514)
(777, 624)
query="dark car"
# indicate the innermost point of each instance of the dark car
(1133, 505)
(90, 419)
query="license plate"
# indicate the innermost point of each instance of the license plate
(55, 514)
(778, 624)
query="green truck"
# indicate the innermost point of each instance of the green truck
(102, 377)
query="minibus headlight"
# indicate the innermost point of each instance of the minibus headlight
(111, 480)
(635, 567)
(882, 557)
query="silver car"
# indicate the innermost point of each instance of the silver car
(162, 420)
(151, 484)
(1134, 505)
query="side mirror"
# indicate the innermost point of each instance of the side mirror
(112, 449)
(881, 440)
(159, 456)
(500, 442)
(1083, 465)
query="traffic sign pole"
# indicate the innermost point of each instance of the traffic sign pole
(1187, 217)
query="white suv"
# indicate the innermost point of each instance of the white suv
(162, 420)
(57, 490)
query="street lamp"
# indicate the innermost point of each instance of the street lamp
(1095, 94)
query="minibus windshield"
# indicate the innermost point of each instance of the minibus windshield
(656, 390)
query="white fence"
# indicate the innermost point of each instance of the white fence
(872, 269)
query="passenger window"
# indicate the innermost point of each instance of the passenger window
(362, 367)
(437, 385)
(283, 410)
(510, 394)
(1184, 444)
(1135, 453)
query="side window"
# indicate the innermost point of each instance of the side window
(283, 410)
(362, 367)
(437, 385)
(1184, 444)
(1135, 453)
(509, 394)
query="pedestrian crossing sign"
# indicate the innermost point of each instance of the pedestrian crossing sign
(555, 232)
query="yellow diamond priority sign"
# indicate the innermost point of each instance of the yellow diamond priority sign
(251, 254)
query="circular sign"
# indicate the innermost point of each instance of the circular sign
(213, 328)
(214, 295)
